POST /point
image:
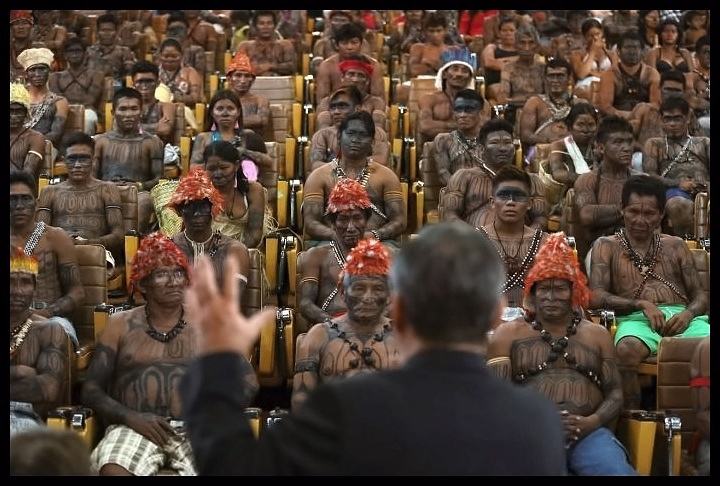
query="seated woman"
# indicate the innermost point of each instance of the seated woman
(588, 65)
(669, 55)
(185, 82)
(572, 155)
(246, 215)
(225, 123)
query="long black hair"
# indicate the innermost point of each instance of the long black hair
(227, 151)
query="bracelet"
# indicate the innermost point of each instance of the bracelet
(376, 234)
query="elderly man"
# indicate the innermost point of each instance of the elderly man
(39, 367)
(469, 191)
(356, 134)
(126, 155)
(436, 109)
(48, 111)
(460, 149)
(567, 358)
(324, 146)
(269, 56)
(255, 107)
(356, 71)
(133, 377)
(358, 341)
(348, 210)
(27, 146)
(648, 279)
(681, 161)
(59, 290)
(197, 202)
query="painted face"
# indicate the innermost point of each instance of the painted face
(641, 215)
(170, 58)
(675, 123)
(22, 204)
(177, 31)
(499, 148)
(466, 112)
(106, 34)
(618, 148)
(241, 81)
(553, 298)
(225, 113)
(79, 160)
(127, 113)
(222, 172)
(74, 54)
(340, 107)
(366, 298)
(350, 226)
(165, 285)
(672, 89)
(556, 80)
(356, 141)
(22, 290)
(145, 83)
(457, 75)
(265, 27)
(584, 128)
(197, 215)
(38, 74)
(526, 46)
(356, 77)
(630, 52)
(349, 46)
(18, 115)
(511, 201)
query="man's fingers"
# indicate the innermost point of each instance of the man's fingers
(230, 282)
(255, 324)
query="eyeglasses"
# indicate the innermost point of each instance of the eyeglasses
(506, 195)
(163, 277)
(81, 160)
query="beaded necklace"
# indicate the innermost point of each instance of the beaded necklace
(366, 352)
(34, 238)
(470, 148)
(680, 157)
(165, 337)
(646, 265)
(199, 248)
(517, 278)
(17, 336)
(557, 349)
(362, 178)
(340, 259)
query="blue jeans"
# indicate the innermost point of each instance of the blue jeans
(599, 454)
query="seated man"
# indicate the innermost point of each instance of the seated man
(324, 146)
(598, 192)
(126, 155)
(193, 54)
(681, 161)
(269, 56)
(348, 210)
(326, 45)
(516, 243)
(388, 220)
(139, 358)
(567, 358)
(349, 39)
(156, 117)
(356, 71)
(107, 55)
(48, 111)
(200, 32)
(78, 84)
(27, 146)
(435, 109)
(197, 202)
(425, 57)
(358, 341)
(39, 367)
(460, 149)
(521, 79)
(700, 389)
(469, 191)
(86, 208)
(59, 290)
(255, 107)
(699, 83)
(648, 279)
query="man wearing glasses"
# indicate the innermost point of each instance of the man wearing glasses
(469, 192)
(86, 208)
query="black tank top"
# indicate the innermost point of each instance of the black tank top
(491, 75)
(631, 90)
